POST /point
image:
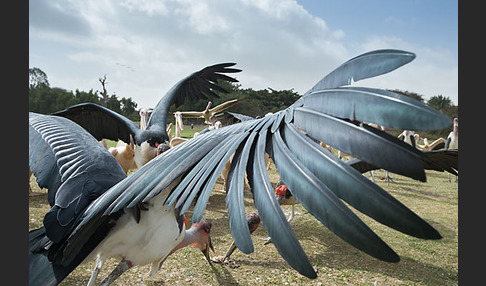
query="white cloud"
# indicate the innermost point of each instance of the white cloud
(434, 70)
(276, 43)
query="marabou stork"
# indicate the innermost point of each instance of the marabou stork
(328, 112)
(284, 198)
(77, 171)
(408, 136)
(452, 141)
(104, 123)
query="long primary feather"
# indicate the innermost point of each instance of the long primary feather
(378, 106)
(283, 237)
(323, 204)
(234, 197)
(361, 141)
(364, 66)
(355, 189)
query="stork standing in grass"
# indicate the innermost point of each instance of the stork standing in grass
(165, 188)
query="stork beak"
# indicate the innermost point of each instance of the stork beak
(205, 251)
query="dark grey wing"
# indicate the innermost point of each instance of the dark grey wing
(101, 122)
(198, 85)
(72, 165)
(76, 169)
(442, 160)
(318, 180)
(437, 160)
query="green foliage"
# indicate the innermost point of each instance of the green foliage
(253, 102)
(37, 78)
(439, 102)
(410, 94)
(45, 99)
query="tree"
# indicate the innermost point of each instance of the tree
(113, 103)
(439, 102)
(128, 108)
(410, 94)
(104, 93)
(37, 78)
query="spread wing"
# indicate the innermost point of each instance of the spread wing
(100, 121)
(437, 160)
(104, 123)
(318, 180)
(198, 85)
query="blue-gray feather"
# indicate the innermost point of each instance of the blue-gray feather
(323, 204)
(381, 107)
(235, 199)
(361, 141)
(276, 225)
(364, 66)
(352, 187)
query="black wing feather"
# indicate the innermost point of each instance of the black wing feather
(100, 121)
(194, 86)
(76, 169)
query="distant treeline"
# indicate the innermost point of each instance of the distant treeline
(45, 99)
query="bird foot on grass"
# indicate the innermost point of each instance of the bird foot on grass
(225, 261)
(267, 240)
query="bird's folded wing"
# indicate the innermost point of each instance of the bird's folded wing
(72, 165)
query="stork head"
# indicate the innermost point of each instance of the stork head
(201, 237)
(161, 148)
(281, 192)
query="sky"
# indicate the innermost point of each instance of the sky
(145, 46)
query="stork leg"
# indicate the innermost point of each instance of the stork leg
(292, 214)
(230, 251)
(96, 270)
(388, 179)
(253, 220)
(123, 266)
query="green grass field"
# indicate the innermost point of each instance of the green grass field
(423, 262)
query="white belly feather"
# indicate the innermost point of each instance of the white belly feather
(151, 239)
